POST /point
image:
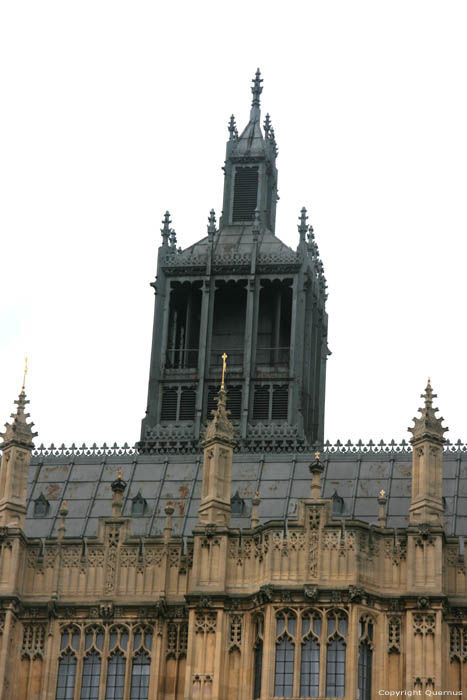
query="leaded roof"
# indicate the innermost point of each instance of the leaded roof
(357, 473)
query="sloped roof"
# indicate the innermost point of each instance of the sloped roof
(239, 239)
(83, 478)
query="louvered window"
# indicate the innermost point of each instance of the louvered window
(169, 404)
(245, 193)
(261, 403)
(187, 403)
(234, 401)
(178, 403)
(270, 402)
(280, 402)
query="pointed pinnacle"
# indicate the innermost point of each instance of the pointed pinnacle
(302, 226)
(173, 238)
(428, 395)
(165, 230)
(267, 125)
(212, 223)
(233, 131)
(256, 89)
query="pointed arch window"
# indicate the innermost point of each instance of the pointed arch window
(66, 676)
(116, 667)
(258, 656)
(142, 645)
(335, 659)
(286, 622)
(310, 655)
(84, 666)
(67, 663)
(365, 658)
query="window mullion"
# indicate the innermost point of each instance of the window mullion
(79, 666)
(323, 655)
(128, 665)
(104, 664)
(297, 657)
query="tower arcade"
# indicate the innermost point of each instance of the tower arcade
(243, 291)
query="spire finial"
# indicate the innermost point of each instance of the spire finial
(256, 89)
(24, 375)
(267, 125)
(165, 230)
(233, 131)
(211, 223)
(302, 226)
(428, 424)
(173, 238)
(224, 367)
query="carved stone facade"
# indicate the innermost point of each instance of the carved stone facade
(162, 572)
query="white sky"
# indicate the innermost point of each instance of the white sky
(113, 112)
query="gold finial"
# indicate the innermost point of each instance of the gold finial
(64, 504)
(25, 373)
(119, 475)
(382, 493)
(224, 367)
(317, 455)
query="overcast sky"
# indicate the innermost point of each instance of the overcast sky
(113, 112)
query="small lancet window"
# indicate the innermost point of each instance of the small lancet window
(237, 504)
(138, 504)
(41, 506)
(337, 503)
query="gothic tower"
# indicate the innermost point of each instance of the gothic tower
(242, 291)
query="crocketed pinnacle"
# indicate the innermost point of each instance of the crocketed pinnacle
(19, 431)
(428, 425)
(165, 230)
(302, 226)
(233, 131)
(212, 223)
(256, 89)
(220, 427)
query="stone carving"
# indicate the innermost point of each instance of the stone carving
(424, 623)
(112, 555)
(235, 633)
(394, 634)
(33, 645)
(177, 639)
(311, 592)
(95, 556)
(205, 622)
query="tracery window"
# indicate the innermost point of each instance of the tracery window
(309, 667)
(286, 627)
(335, 661)
(365, 658)
(114, 657)
(310, 653)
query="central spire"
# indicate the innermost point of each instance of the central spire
(256, 89)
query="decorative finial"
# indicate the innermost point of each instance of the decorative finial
(24, 375)
(382, 517)
(233, 131)
(224, 367)
(256, 89)
(382, 493)
(316, 468)
(255, 501)
(267, 125)
(211, 223)
(428, 425)
(173, 238)
(165, 230)
(302, 226)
